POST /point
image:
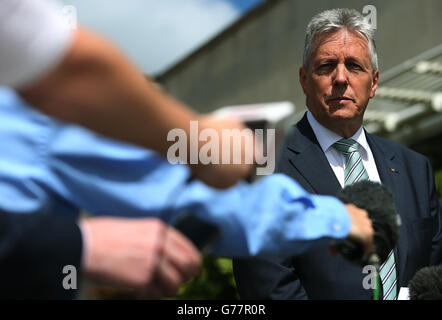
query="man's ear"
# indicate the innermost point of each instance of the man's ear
(374, 83)
(303, 79)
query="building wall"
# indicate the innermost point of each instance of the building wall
(257, 59)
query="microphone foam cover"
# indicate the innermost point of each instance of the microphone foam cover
(378, 201)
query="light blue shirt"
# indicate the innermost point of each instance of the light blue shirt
(49, 166)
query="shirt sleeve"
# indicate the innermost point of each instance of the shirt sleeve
(272, 218)
(106, 177)
(34, 37)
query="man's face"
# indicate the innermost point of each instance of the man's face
(339, 81)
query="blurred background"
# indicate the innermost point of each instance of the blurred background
(213, 53)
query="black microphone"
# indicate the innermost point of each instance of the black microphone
(378, 201)
(426, 284)
(202, 233)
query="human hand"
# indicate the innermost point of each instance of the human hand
(227, 173)
(144, 255)
(361, 228)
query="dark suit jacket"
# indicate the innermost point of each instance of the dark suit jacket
(315, 275)
(33, 252)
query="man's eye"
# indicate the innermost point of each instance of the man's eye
(325, 68)
(354, 66)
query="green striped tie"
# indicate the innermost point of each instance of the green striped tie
(354, 171)
(354, 168)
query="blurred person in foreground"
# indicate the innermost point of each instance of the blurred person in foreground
(54, 167)
(80, 77)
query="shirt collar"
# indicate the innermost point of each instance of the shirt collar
(327, 138)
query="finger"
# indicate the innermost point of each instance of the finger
(181, 242)
(180, 261)
(167, 280)
(183, 250)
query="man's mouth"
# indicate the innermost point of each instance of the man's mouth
(341, 99)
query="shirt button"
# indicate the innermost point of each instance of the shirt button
(337, 227)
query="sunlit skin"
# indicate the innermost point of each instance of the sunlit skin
(339, 81)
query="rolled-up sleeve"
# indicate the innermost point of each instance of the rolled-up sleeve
(273, 217)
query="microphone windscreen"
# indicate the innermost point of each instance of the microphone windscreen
(426, 284)
(378, 201)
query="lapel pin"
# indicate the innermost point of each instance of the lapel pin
(394, 170)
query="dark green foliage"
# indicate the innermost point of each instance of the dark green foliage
(215, 282)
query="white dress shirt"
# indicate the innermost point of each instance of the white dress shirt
(327, 138)
(34, 38)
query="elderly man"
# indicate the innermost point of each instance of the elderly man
(328, 150)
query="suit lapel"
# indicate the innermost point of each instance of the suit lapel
(306, 156)
(390, 168)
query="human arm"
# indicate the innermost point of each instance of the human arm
(137, 182)
(272, 218)
(96, 86)
(105, 177)
(142, 255)
(80, 77)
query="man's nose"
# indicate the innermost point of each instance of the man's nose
(340, 77)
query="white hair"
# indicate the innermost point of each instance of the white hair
(333, 20)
